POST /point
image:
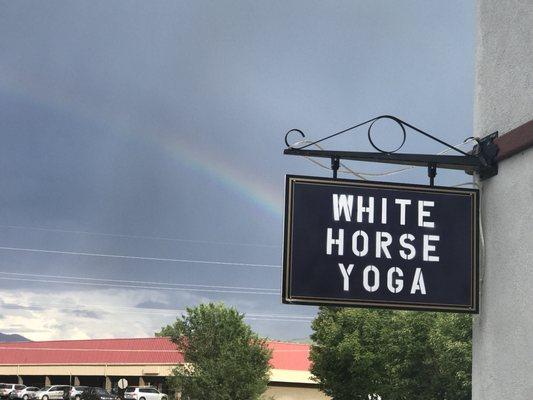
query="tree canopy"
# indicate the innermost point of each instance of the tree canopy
(224, 358)
(396, 355)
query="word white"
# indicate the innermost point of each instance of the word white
(360, 244)
(394, 279)
(343, 207)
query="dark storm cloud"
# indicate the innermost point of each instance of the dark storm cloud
(166, 119)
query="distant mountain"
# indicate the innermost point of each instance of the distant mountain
(12, 338)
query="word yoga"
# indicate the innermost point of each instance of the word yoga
(361, 242)
(373, 244)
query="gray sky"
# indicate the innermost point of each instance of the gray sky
(126, 125)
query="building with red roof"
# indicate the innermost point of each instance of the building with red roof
(142, 361)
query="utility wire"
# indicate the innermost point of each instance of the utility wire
(137, 286)
(161, 238)
(161, 284)
(346, 169)
(175, 260)
(161, 311)
(466, 184)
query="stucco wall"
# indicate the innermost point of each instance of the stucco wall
(504, 59)
(503, 331)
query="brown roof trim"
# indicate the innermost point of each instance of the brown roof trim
(515, 141)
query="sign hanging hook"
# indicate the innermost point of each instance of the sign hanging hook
(432, 173)
(335, 162)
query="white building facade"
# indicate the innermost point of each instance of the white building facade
(503, 331)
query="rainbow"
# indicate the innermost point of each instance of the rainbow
(238, 180)
(247, 185)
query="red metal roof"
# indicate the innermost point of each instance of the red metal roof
(293, 356)
(158, 350)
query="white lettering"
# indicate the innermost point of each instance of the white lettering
(384, 211)
(342, 205)
(395, 286)
(383, 241)
(423, 213)
(331, 241)
(369, 210)
(407, 246)
(428, 247)
(355, 248)
(403, 205)
(375, 271)
(418, 282)
(346, 276)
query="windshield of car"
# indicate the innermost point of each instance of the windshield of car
(130, 389)
(102, 391)
(19, 387)
(80, 387)
(44, 389)
(4, 386)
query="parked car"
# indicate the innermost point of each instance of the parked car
(7, 388)
(143, 393)
(76, 391)
(55, 392)
(25, 393)
(97, 393)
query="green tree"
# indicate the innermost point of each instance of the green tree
(397, 355)
(224, 358)
(451, 342)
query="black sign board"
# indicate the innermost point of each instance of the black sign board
(373, 244)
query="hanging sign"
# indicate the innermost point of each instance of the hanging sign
(373, 244)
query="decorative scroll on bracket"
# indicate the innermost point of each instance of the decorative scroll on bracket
(481, 160)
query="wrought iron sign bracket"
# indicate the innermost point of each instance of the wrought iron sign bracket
(486, 150)
(482, 159)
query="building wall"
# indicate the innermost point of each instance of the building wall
(504, 77)
(87, 370)
(294, 393)
(290, 376)
(503, 331)
(286, 384)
